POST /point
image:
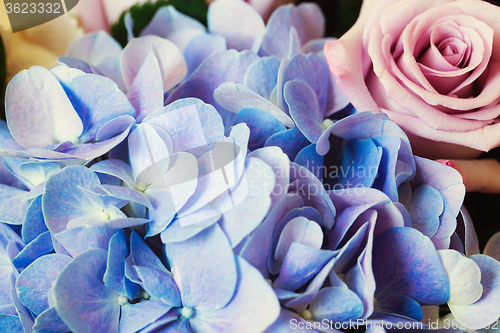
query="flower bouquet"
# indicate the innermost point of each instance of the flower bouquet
(253, 176)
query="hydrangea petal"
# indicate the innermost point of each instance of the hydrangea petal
(97, 100)
(96, 308)
(80, 239)
(133, 317)
(406, 264)
(55, 120)
(326, 305)
(253, 298)
(486, 310)
(207, 254)
(237, 21)
(40, 246)
(49, 322)
(235, 97)
(200, 48)
(464, 276)
(262, 76)
(290, 141)
(34, 282)
(171, 61)
(13, 205)
(208, 77)
(303, 107)
(262, 126)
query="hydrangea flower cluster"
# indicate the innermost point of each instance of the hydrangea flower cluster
(216, 180)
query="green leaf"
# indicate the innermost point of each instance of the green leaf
(143, 14)
(3, 77)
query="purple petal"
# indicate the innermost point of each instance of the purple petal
(299, 230)
(257, 248)
(425, 207)
(326, 305)
(237, 21)
(55, 119)
(81, 299)
(205, 255)
(402, 305)
(308, 19)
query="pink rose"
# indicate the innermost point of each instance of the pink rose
(432, 66)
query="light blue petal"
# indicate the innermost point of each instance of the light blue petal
(253, 298)
(40, 246)
(168, 20)
(303, 107)
(34, 282)
(310, 159)
(208, 77)
(425, 207)
(97, 100)
(406, 264)
(290, 141)
(160, 284)
(326, 305)
(115, 168)
(81, 299)
(190, 123)
(238, 22)
(200, 48)
(80, 239)
(50, 322)
(136, 316)
(262, 76)
(300, 265)
(262, 125)
(118, 251)
(235, 97)
(205, 255)
(63, 200)
(55, 119)
(485, 311)
(14, 205)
